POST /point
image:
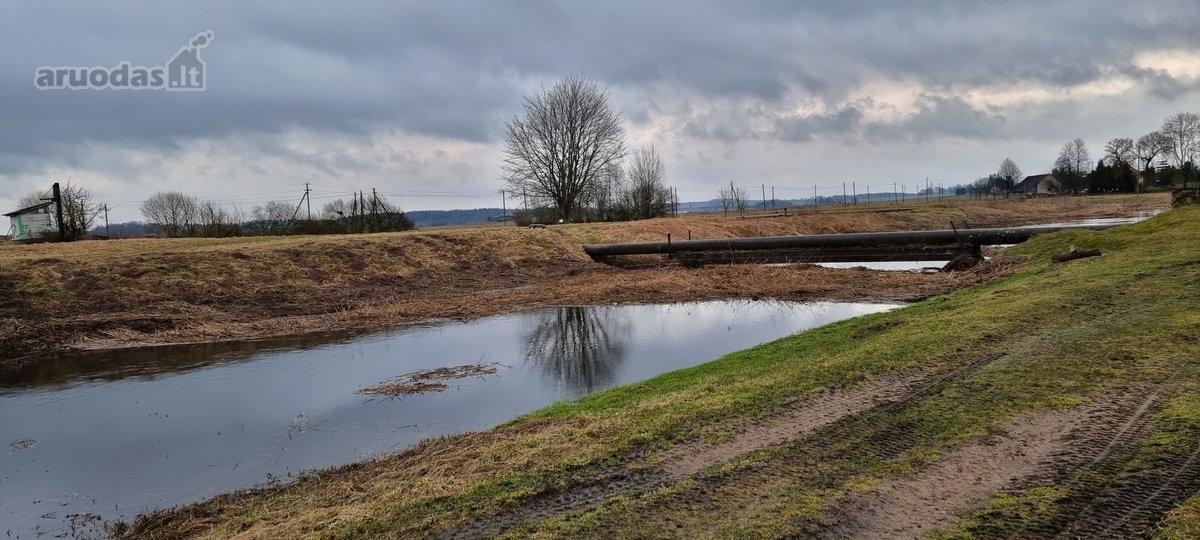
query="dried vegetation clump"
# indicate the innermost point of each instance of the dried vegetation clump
(429, 380)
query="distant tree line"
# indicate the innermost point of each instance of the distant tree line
(174, 214)
(1164, 158)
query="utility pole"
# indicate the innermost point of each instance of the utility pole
(764, 190)
(374, 200)
(303, 198)
(772, 196)
(106, 231)
(815, 203)
(854, 191)
(843, 193)
(503, 209)
(895, 193)
(308, 200)
(868, 194)
(56, 196)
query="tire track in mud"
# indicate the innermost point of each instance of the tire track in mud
(791, 421)
(581, 494)
(968, 475)
(874, 400)
(1113, 488)
(785, 424)
(867, 425)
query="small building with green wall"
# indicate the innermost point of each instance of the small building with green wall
(32, 223)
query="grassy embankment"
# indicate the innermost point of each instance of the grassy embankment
(1048, 339)
(185, 290)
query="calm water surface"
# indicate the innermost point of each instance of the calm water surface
(118, 433)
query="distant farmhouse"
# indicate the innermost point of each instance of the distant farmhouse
(32, 223)
(1038, 184)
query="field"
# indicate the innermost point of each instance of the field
(1061, 400)
(131, 292)
(160, 291)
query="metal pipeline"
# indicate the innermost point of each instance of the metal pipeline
(965, 237)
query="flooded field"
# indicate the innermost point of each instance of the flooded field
(108, 435)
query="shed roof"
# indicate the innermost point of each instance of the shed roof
(1030, 183)
(28, 210)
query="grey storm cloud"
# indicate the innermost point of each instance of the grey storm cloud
(843, 122)
(457, 69)
(939, 116)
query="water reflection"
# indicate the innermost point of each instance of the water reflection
(581, 348)
(65, 369)
(116, 433)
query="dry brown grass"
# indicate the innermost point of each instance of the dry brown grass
(912, 215)
(101, 294)
(435, 468)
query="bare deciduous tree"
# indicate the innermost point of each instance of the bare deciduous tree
(1120, 151)
(557, 147)
(1073, 164)
(1150, 146)
(733, 198)
(79, 209)
(213, 220)
(1183, 130)
(1010, 172)
(725, 195)
(366, 213)
(172, 212)
(646, 195)
(604, 194)
(273, 217)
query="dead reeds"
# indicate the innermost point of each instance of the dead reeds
(429, 380)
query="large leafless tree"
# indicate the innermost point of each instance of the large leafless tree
(1150, 146)
(1183, 130)
(1120, 152)
(1010, 172)
(647, 195)
(557, 147)
(1073, 164)
(172, 212)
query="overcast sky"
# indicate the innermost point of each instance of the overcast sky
(411, 97)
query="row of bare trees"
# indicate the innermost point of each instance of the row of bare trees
(567, 150)
(176, 214)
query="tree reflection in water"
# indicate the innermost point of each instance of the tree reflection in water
(581, 347)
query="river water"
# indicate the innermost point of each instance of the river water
(111, 434)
